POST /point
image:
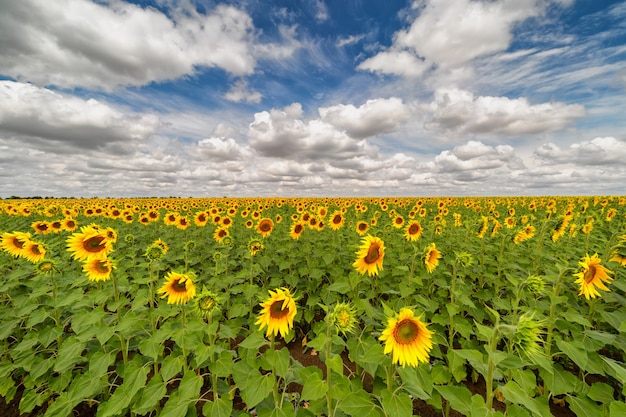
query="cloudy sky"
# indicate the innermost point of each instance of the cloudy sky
(244, 98)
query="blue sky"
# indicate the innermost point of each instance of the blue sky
(312, 98)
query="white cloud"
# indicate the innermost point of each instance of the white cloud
(598, 151)
(30, 112)
(449, 34)
(321, 11)
(222, 149)
(375, 117)
(350, 40)
(240, 93)
(71, 43)
(459, 111)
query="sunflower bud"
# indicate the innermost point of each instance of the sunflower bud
(154, 253)
(343, 317)
(536, 284)
(527, 336)
(46, 266)
(206, 303)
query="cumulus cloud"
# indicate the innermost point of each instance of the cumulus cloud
(284, 134)
(448, 34)
(476, 156)
(222, 149)
(71, 43)
(459, 111)
(598, 151)
(375, 117)
(32, 113)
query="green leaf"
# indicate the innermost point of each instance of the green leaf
(152, 347)
(150, 395)
(416, 382)
(69, 354)
(185, 395)
(514, 393)
(617, 409)
(222, 407)
(358, 404)
(253, 386)
(254, 341)
(559, 381)
(576, 354)
(601, 392)
(459, 397)
(171, 366)
(475, 358)
(134, 378)
(61, 407)
(277, 360)
(223, 366)
(313, 386)
(396, 404)
(616, 370)
(342, 287)
(31, 399)
(583, 407)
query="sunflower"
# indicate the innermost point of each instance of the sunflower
(201, 218)
(369, 257)
(413, 231)
(278, 312)
(407, 339)
(362, 227)
(619, 258)
(69, 224)
(336, 220)
(398, 222)
(254, 246)
(265, 226)
(41, 227)
(206, 303)
(296, 230)
(220, 233)
(178, 288)
(592, 275)
(14, 242)
(431, 259)
(98, 269)
(344, 318)
(33, 251)
(182, 223)
(89, 243)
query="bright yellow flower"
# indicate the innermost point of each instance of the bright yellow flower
(431, 259)
(89, 243)
(98, 269)
(407, 339)
(413, 231)
(278, 312)
(265, 227)
(178, 288)
(14, 242)
(592, 275)
(33, 251)
(369, 257)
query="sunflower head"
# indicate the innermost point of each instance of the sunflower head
(526, 338)
(98, 269)
(591, 276)
(277, 312)
(536, 284)
(254, 246)
(154, 253)
(46, 266)
(178, 288)
(344, 318)
(206, 303)
(369, 257)
(407, 339)
(431, 257)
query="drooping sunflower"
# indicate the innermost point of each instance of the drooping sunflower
(98, 269)
(431, 259)
(33, 251)
(178, 288)
(407, 339)
(13, 242)
(413, 231)
(369, 257)
(265, 226)
(89, 243)
(278, 312)
(592, 275)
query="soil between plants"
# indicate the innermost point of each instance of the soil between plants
(306, 357)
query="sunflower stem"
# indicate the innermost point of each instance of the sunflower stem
(212, 347)
(182, 342)
(276, 379)
(391, 376)
(116, 294)
(329, 400)
(491, 366)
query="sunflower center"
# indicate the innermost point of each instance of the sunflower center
(343, 319)
(590, 274)
(94, 244)
(103, 267)
(36, 249)
(414, 229)
(179, 286)
(277, 311)
(298, 228)
(373, 253)
(265, 227)
(337, 219)
(362, 226)
(18, 243)
(405, 332)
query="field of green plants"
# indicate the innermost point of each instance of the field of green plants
(314, 307)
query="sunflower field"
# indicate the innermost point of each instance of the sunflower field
(477, 306)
